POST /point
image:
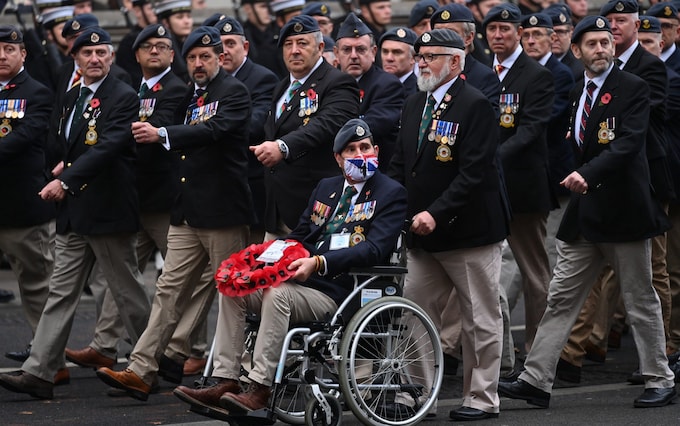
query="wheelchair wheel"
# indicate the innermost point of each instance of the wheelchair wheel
(315, 415)
(290, 397)
(390, 353)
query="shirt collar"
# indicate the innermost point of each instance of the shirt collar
(544, 60)
(233, 74)
(303, 79)
(625, 56)
(510, 60)
(668, 52)
(440, 91)
(155, 79)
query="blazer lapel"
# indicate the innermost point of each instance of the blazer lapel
(513, 73)
(294, 104)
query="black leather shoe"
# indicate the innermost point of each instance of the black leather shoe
(6, 296)
(20, 356)
(396, 411)
(675, 368)
(509, 376)
(520, 389)
(568, 372)
(463, 414)
(655, 397)
(170, 370)
(22, 382)
(636, 378)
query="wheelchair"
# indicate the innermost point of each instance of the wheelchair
(378, 349)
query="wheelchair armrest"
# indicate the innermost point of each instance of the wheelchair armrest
(387, 270)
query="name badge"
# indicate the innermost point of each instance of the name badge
(274, 252)
(339, 241)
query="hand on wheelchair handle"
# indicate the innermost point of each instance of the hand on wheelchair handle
(423, 223)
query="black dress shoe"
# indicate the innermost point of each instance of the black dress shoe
(22, 382)
(636, 378)
(170, 370)
(520, 389)
(6, 296)
(396, 411)
(509, 376)
(568, 372)
(463, 414)
(655, 397)
(20, 356)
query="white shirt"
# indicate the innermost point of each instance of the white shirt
(507, 63)
(599, 81)
(93, 87)
(625, 56)
(155, 79)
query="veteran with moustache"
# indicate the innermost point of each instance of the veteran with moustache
(98, 214)
(445, 156)
(26, 222)
(610, 219)
(308, 108)
(160, 93)
(381, 93)
(210, 216)
(320, 283)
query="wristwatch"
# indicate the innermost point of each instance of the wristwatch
(162, 133)
(283, 148)
(63, 185)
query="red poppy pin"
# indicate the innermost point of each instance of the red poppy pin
(311, 94)
(604, 100)
(201, 100)
(94, 103)
(157, 87)
(361, 95)
(9, 86)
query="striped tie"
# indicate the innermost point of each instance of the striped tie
(499, 69)
(426, 120)
(76, 79)
(295, 85)
(590, 89)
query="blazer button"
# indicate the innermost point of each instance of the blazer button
(183, 157)
(413, 174)
(183, 180)
(68, 164)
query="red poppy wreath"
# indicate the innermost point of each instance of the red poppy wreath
(241, 273)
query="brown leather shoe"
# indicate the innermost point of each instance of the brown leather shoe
(207, 397)
(194, 366)
(127, 380)
(255, 398)
(63, 377)
(22, 382)
(595, 353)
(88, 357)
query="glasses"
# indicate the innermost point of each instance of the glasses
(562, 33)
(430, 57)
(160, 47)
(347, 50)
(536, 35)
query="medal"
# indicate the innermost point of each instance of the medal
(430, 136)
(5, 128)
(444, 139)
(444, 153)
(507, 120)
(301, 113)
(91, 136)
(357, 236)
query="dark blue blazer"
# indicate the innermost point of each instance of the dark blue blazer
(22, 155)
(673, 61)
(672, 129)
(560, 153)
(410, 85)
(575, 65)
(380, 231)
(383, 97)
(484, 79)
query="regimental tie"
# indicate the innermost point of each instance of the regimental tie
(426, 120)
(143, 90)
(499, 69)
(295, 85)
(342, 210)
(80, 106)
(76, 79)
(197, 94)
(585, 113)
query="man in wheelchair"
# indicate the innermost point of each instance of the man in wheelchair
(352, 220)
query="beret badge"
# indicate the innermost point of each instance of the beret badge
(205, 39)
(401, 33)
(505, 14)
(619, 7)
(446, 15)
(160, 31)
(360, 131)
(599, 23)
(426, 38)
(94, 38)
(297, 27)
(75, 26)
(533, 20)
(14, 35)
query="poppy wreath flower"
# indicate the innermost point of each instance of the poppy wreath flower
(201, 99)
(241, 273)
(604, 99)
(157, 87)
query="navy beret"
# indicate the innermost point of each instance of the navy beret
(440, 37)
(213, 19)
(11, 34)
(367, 2)
(505, 12)
(588, 24)
(79, 23)
(301, 24)
(402, 34)
(619, 6)
(663, 10)
(352, 27)
(229, 26)
(354, 130)
(452, 12)
(541, 20)
(423, 9)
(316, 8)
(151, 31)
(93, 36)
(649, 24)
(202, 37)
(559, 13)
(166, 8)
(328, 43)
